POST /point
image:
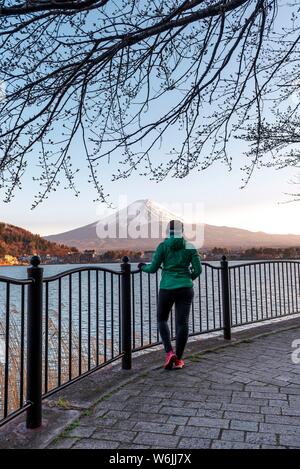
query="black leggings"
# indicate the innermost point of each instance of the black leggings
(182, 297)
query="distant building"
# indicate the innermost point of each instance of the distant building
(88, 255)
(73, 257)
(10, 260)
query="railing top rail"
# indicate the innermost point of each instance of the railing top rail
(16, 281)
(275, 261)
(137, 271)
(79, 269)
(217, 267)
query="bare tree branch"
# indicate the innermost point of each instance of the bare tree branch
(117, 80)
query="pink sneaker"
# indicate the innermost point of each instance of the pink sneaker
(178, 364)
(170, 360)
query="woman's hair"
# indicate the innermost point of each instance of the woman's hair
(175, 228)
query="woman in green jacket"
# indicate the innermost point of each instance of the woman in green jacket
(180, 266)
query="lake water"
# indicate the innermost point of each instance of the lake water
(88, 305)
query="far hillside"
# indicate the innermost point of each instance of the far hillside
(15, 241)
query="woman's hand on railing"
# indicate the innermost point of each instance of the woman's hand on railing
(140, 265)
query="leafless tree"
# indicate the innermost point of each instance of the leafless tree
(120, 78)
(275, 139)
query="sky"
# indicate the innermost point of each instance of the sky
(261, 206)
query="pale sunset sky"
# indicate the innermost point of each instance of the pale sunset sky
(261, 206)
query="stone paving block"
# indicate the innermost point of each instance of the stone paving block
(272, 447)
(218, 414)
(146, 417)
(231, 387)
(221, 444)
(178, 403)
(262, 389)
(95, 444)
(121, 397)
(242, 379)
(251, 417)
(131, 389)
(294, 401)
(133, 446)
(201, 432)
(123, 425)
(269, 410)
(269, 395)
(155, 439)
(262, 438)
(206, 405)
(208, 422)
(144, 400)
(277, 428)
(154, 427)
(241, 394)
(221, 400)
(109, 405)
(283, 419)
(63, 443)
(178, 411)
(189, 396)
(251, 401)
(114, 435)
(99, 412)
(222, 394)
(194, 443)
(162, 394)
(290, 440)
(244, 425)
(118, 414)
(233, 435)
(241, 408)
(258, 383)
(292, 411)
(103, 422)
(177, 419)
(132, 407)
(291, 390)
(278, 403)
(81, 432)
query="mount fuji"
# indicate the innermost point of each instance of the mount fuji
(142, 225)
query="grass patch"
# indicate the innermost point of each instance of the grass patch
(62, 403)
(69, 428)
(106, 396)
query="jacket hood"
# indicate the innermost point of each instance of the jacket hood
(175, 243)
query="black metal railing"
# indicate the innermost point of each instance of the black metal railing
(55, 330)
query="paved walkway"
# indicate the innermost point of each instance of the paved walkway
(243, 396)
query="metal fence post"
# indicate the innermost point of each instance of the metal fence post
(34, 344)
(126, 314)
(226, 299)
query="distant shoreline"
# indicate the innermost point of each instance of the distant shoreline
(136, 262)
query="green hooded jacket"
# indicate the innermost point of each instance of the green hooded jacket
(180, 263)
